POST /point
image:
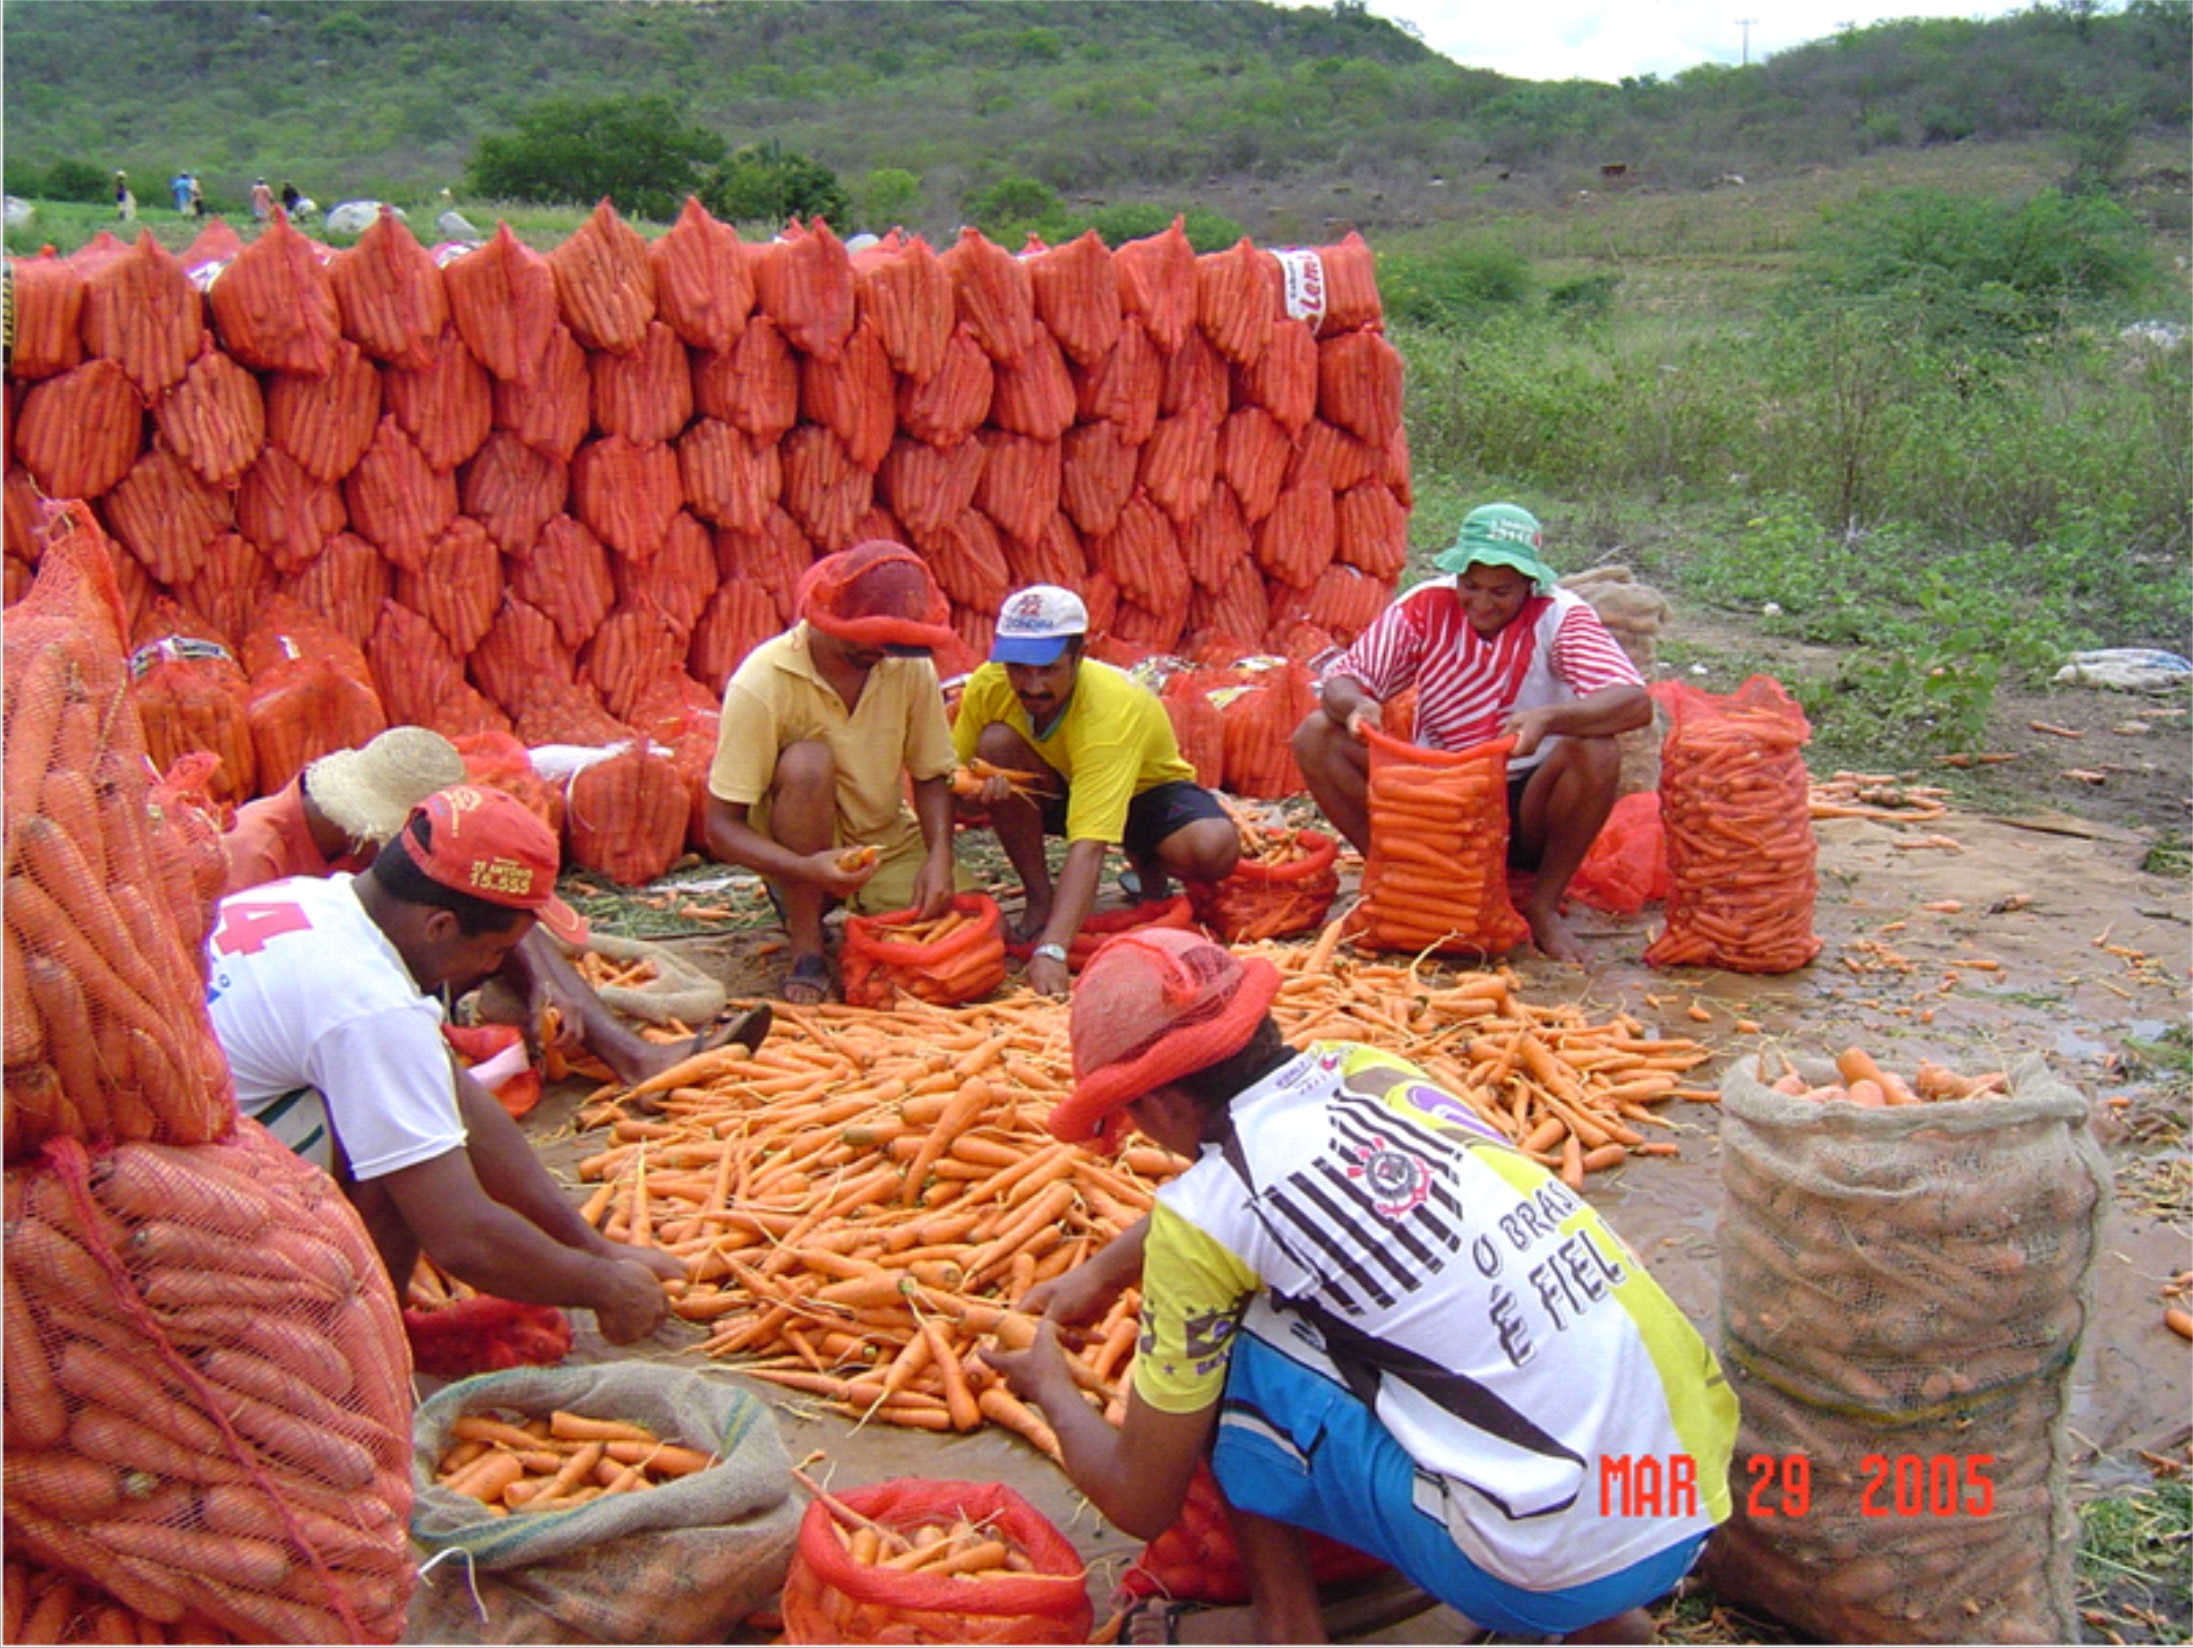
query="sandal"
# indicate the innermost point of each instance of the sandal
(749, 1030)
(1168, 1613)
(806, 983)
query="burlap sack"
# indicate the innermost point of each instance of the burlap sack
(1634, 614)
(679, 990)
(684, 1562)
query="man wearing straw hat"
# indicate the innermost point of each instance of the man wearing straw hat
(1494, 650)
(1377, 1318)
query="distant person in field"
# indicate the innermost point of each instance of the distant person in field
(325, 994)
(1108, 766)
(1494, 650)
(823, 729)
(334, 817)
(262, 201)
(197, 208)
(179, 190)
(125, 203)
(290, 197)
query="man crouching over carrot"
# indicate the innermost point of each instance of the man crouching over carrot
(1382, 1322)
(324, 994)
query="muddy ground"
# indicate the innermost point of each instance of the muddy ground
(2063, 946)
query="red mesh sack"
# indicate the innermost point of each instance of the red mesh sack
(79, 433)
(927, 487)
(232, 582)
(1371, 530)
(1351, 285)
(214, 246)
(993, 295)
(1149, 630)
(633, 646)
(287, 513)
(494, 1055)
(345, 584)
(676, 581)
(1217, 541)
(740, 616)
(484, 1334)
(905, 294)
(106, 1034)
(1359, 385)
(626, 494)
(388, 294)
(191, 696)
(1627, 866)
(187, 823)
(1142, 556)
(1018, 487)
(398, 501)
(825, 491)
(1436, 877)
(513, 490)
(563, 712)
(1294, 543)
(1395, 472)
(1283, 885)
(446, 406)
(49, 305)
(975, 629)
(1077, 297)
(209, 1397)
(730, 478)
(1283, 382)
(1196, 379)
(1262, 703)
(459, 585)
(773, 558)
(605, 285)
(626, 816)
(952, 402)
(968, 559)
(1236, 607)
(503, 299)
(420, 681)
(214, 420)
(803, 280)
(754, 385)
(1157, 285)
(1344, 601)
(1126, 387)
(1253, 453)
(704, 281)
(1328, 453)
(1097, 475)
(565, 578)
(645, 395)
(498, 760)
(142, 313)
(551, 410)
(312, 692)
(1735, 802)
(1195, 1560)
(1297, 639)
(1171, 912)
(1197, 727)
(274, 306)
(24, 510)
(830, 1597)
(851, 396)
(520, 648)
(1035, 395)
(954, 958)
(684, 717)
(165, 515)
(1100, 594)
(1179, 464)
(326, 423)
(1237, 298)
(1055, 558)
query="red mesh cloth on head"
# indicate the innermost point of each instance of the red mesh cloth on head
(1153, 1006)
(876, 594)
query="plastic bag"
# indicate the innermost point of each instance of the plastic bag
(1736, 803)
(962, 959)
(1437, 874)
(1627, 867)
(1288, 893)
(2128, 669)
(829, 1597)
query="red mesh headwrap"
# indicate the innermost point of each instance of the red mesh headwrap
(1152, 1006)
(876, 594)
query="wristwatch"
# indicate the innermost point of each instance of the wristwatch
(1049, 952)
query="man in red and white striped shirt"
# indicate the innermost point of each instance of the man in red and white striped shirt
(1494, 650)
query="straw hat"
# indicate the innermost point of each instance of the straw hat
(368, 793)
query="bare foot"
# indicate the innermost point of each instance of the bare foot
(807, 981)
(1159, 1620)
(1633, 1626)
(1030, 926)
(1552, 936)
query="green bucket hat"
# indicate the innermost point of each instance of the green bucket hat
(1499, 535)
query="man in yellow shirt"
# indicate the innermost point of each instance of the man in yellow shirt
(1103, 750)
(821, 726)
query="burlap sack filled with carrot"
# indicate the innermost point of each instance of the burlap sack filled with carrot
(1735, 803)
(953, 958)
(1437, 874)
(1905, 1282)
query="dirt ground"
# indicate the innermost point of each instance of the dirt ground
(2063, 946)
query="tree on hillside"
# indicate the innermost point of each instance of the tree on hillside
(764, 181)
(639, 151)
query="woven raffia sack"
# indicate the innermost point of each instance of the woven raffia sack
(1634, 614)
(682, 1562)
(1909, 1284)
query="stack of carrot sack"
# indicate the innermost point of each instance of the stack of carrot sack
(562, 495)
(207, 1395)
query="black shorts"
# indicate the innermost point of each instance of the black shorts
(1152, 816)
(1518, 782)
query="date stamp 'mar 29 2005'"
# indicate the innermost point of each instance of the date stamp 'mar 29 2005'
(1889, 1485)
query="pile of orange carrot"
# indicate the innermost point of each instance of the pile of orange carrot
(1877, 795)
(557, 1462)
(603, 972)
(1872, 1086)
(45, 1606)
(862, 1201)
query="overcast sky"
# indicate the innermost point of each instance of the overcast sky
(1607, 39)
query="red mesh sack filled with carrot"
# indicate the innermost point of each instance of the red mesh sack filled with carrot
(141, 312)
(190, 694)
(498, 760)
(163, 514)
(1735, 803)
(704, 278)
(1034, 396)
(1001, 1572)
(503, 299)
(388, 293)
(1198, 728)
(513, 490)
(214, 420)
(951, 403)
(676, 582)
(565, 579)
(1195, 1560)
(106, 1034)
(852, 395)
(552, 410)
(446, 406)
(1627, 867)
(927, 487)
(904, 292)
(187, 822)
(683, 716)
(457, 1331)
(345, 584)
(1237, 297)
(49, 305)
(626, 494)
(312, 692)
(958, 956)
(754, 385)
(420, 680)
(1283, 884)
(520, 649)
(399, 502)
(994, 295)
(1260, 706)
(326, 422)
(1436, 877)
(645, 395)
(458, 587)
(605, 285)
(1077, 297)
(626, 816)
(273, 306)
(1283, 381)
(1157, 284)
(825, 491)
(209, 1397)
(803, 281)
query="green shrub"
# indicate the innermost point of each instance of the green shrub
(77, 180)
(1207, 231)
(1453, 287)
(637, 151)
(766, 183)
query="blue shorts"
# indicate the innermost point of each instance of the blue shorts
(1298, 1448)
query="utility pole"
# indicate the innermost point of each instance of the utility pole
(1745, 24)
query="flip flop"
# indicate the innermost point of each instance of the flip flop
(749, 1030)
(1168, 1611)
(809, 972)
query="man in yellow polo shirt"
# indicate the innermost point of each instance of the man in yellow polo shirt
(821, 726)
(1103, 750)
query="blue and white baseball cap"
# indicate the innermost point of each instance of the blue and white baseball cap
(1036, 623)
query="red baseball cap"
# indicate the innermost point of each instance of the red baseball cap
(487, 843)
